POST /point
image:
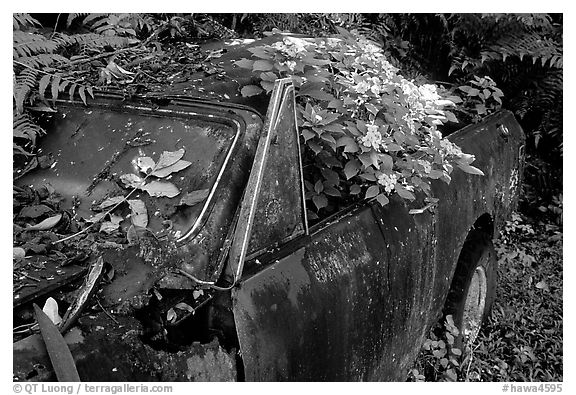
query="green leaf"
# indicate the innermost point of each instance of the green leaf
(315, 90)
(161, 189)
(372, 191)
(382, 199)
(262, 65)
(320, 201)
(251, 90)
(451, 117)
(267, 85)
(351, 168)
(435, 174)
(403, 192)
(71, 91)
(43, 84)
(315, 147)
(260, 52)
(307, 134)
(386, 162)
(55, 88)
(331, 191)
(355, 189)
(332, 178)
(268, 76)
(82, 94)
(348, 143)
(244, 63)
(470, 169)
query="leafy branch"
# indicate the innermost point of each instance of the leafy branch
(168, 163)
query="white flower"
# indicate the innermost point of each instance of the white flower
(428, 93)
(375, 87)
(387, 181)
(373, 138)
(362, 87)
(450, 148)
(426, 165)
(410, 122)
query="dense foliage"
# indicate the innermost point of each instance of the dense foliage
(366, 128)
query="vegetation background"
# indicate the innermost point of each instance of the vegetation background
(75, 54)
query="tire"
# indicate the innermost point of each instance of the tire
(473, 288)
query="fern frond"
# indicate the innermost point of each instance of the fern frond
(73, 16)
(24, 21)
(93, 17)
(43, 60)
(532, 45)
(25, 82)
(94, 40)
(29, 44)
(24, 127)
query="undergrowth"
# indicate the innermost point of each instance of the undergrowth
(522, 340)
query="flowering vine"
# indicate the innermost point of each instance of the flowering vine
(367, 128)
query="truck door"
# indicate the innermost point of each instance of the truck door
(336, 302)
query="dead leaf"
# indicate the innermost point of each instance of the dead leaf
(118, 71)
(168, 158)
(542, 285)
(34, 211)
(145, 164)
(171, 315)
(131, 180)
(184, 306)
(194, 197)
(51, 310)
(18, 253)
(136, 233)
(160, 188)
(112, 225)
(58, 351)
(176, 167)
(96, 217)
(111, 201)
(84, 294)
(108, 227)
(139, 214)
(197, 293)
(48, 223)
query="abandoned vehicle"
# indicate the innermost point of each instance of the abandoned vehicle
(226, 277)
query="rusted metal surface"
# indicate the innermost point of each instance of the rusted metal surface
(280, 212)
(103, 352)
(256, 206)
(225, 140)
(355, 300)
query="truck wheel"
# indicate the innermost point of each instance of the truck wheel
(473, 288)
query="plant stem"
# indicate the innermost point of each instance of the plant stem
(95, 222)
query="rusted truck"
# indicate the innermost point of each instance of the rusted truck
(248, 289)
